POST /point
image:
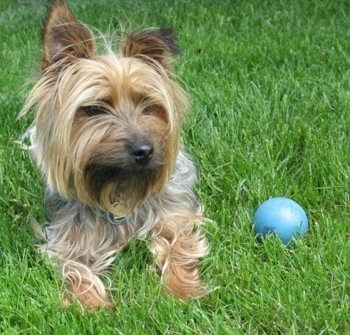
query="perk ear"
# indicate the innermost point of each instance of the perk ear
(65, 37)
(151, 45)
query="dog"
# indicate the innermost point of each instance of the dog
(106, 138)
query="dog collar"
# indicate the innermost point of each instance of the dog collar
(117, 217)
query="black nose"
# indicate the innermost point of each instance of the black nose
(142, 152)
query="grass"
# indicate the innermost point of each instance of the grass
(270, 93)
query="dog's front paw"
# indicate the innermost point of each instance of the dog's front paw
(89, 292)
(183, 282)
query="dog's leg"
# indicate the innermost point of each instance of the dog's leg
(82, 246)
(178, 246)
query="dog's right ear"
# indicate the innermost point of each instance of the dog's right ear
(65, 37)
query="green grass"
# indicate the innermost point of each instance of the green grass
(270, 91)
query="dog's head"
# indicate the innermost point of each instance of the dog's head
(107, 126)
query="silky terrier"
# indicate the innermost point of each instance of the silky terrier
(106, 137)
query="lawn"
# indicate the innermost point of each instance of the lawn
(269, 84)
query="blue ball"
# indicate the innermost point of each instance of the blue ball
(281, 216)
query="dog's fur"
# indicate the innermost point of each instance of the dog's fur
(106, 138)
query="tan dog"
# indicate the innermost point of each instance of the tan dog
(106, 137)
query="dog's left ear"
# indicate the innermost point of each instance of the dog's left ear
(65, 37)
(151, 45)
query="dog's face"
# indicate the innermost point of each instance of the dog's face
(107, 127)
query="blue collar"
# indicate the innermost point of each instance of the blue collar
(118, 216)
(115, 219)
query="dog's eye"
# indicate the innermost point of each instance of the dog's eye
(94, 110)
(148, 110)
